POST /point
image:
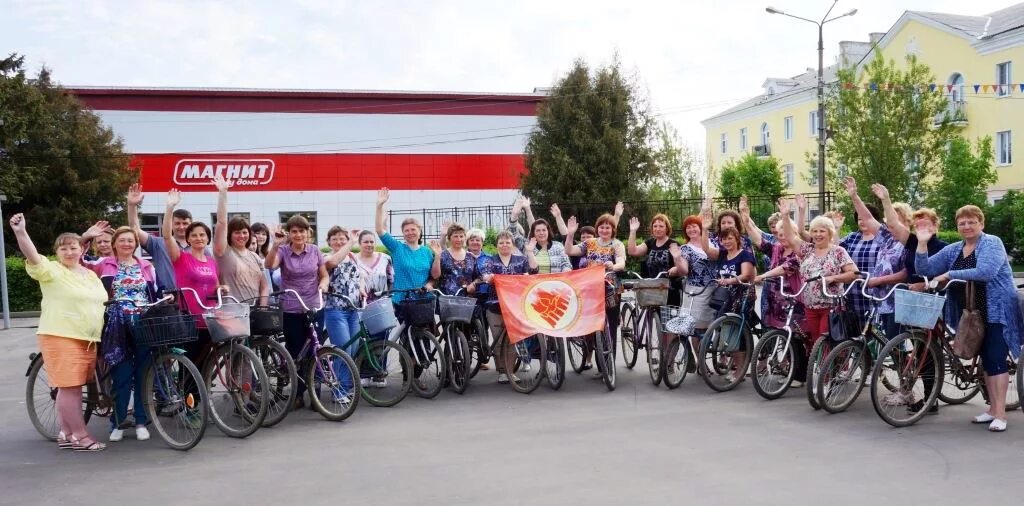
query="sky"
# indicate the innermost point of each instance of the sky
(692, 58)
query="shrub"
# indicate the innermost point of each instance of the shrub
(23, 290)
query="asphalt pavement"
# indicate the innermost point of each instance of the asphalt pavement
(640, 444)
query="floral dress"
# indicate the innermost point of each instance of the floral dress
(830, 264)
(774, 304)
(456, 274)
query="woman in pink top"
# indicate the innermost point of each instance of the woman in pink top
(194, 268)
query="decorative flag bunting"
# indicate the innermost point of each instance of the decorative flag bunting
(979, 89)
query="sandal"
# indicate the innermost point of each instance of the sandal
(94, 446)
(63, 442)
(484, 367)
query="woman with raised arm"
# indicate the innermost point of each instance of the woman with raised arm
(550, 254)
(240, 269)
(70, 323)
(783, 263)
(981, 259)
(412, 260)
(700, 275)
(863, 246)
(505, 262)
(727, 218)
(922, 218)
(454, 267)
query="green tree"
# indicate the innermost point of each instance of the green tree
(752, 175)
(58, 164)
(966, 174)
(1005, 219)
(887, 133)
(678, 167)
(593, 141)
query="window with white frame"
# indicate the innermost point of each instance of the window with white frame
(764, 134)
(725, 143)
(787, 128)
(787, 175)
(1004, 148)
(1003, 78)
(812, 121)
(743, 138)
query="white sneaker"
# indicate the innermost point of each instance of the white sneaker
(364, 382)
(380, 383)
(141, 433)
(503, 378)
(525, 366)
(116, 435)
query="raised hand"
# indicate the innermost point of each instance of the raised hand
(619, 207)
(135, 195)
(838, 218)
(880, 191)
(18, 223)
(531, 246)
(221, 184)
(801, 201)
(279, 236)
(674, 250)
(571, 226)
(706, 216)
(382, 196)
(435, 246)
(98, 228)
(851, 186)
(744, 207)
(555, 211)
(173, 198)
(526, 202)
(924, 234)
(634, 225)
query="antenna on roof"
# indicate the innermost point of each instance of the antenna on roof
(984, 31)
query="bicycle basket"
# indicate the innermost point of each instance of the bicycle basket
(676, 321)
(651, 292)
(918, 309)
(230, 321)
(266, 321)
(456, 309)
(163, 330)
(417, 311)
(378, 316)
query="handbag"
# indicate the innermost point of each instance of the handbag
(114, 339)
(843, 324)
(719, 297)
(971, 332)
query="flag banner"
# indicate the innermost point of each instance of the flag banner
(567, 304)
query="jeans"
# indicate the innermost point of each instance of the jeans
(296, 329)
(125, 377)
(342, 325)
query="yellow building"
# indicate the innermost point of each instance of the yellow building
(971, 57)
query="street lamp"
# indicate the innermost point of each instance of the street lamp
(3, 268)
(821, 91)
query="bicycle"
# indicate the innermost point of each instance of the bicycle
(453, 312)
(41, 398)
(266, 327)
(416, 334)
(728, 337)
(776, 350)
(325, 379)
(646, 332)
(822, 347)
(385, 368)
(846, 367)
(524, 375)
(678, 354)
(236, 380)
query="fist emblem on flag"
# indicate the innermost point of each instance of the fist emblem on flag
(552, 305)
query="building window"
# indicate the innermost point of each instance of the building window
(231, 216)
(764, 134)
(310, 217)
(1003, 78)
(812, 121)
(787, 175)
(787, 128)
(151, 222)
(743, 138)
(1004, 148)
(725, 143)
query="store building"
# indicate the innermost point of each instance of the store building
(319, 153)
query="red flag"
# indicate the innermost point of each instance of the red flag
(567, 304)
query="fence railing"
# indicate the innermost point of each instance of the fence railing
(497, 217)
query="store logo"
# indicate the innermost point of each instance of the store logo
(255, 172)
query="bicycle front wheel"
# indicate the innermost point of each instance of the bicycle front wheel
(428, 359)
(842, 375)
(41, 400)
(386, 371)
(458, 357)
(478, 345)
(723, 359)
(525, 364)
(604, 355)
(235, 381)
(676, 362)
(176, 400)
(652, 338)
(577, 351)
(906, 379)
(333, 383)
(774, 364)
(822, 347)
(282, 378)
(631, 335)
(554, 362)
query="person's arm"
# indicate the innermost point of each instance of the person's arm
(25, 244)
(862, 211)
(332, 260)
(382, 198)
(134, 200)
(753, 232)
(97, 229)
(220, 229)
(264, 290)
(518, 239)
(531, 259)
(173, 250)
(619, 208)
(634, 249)
(325, 278)
(435, 266)
(678, 262)
(277, 239)
(705, 241)
(892, 218)
(991, 255)
(620, 257)
(556, 213)
(789, 231)
(888, 279)
(529, 212)
(747, 272)
(849, 274)
(801, 211)
(570, 248)
(772, 273)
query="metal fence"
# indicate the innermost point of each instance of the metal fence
(497, 217)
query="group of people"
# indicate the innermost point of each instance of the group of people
(252, 262)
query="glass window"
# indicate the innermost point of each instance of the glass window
(1004, 148)
(812, 120)
(787, 174)
(743, 138)
(231, 216)
(1003, 78)
(725, 144)
(787, 128)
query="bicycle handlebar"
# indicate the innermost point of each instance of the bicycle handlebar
(219, 298)
(809, 282)
(864, 290)
(320, 295)
(166, 298)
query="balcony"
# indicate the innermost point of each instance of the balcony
(763, 151)
(955, 113)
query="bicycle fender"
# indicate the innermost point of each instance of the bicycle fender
(34, 357)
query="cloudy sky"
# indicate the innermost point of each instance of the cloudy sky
(694, 58)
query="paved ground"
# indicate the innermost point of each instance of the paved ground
(636, 445)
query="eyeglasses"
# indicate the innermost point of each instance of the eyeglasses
(967, 223)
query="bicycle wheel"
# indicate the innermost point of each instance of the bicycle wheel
(1012, 392)
(41, 400)
(652, 339)
(843, 373)
(386, 369)
(554, 362)
(282, 378)
(333, 382)
(774, 364)
(524, 366)
(577, 351)
(821, 348)
(429, 363)
(604, 355)
(234, 380)
(478, 347)
(956, 389)
(676, 361)
(905, 364)
(176, 400)
(722, 361)
(630, 334)
(1019, 377)
(457, 356)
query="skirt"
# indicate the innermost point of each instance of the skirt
(69, 362)
(701, 311)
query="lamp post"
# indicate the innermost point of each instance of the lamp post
(3, 270)
(821, 90)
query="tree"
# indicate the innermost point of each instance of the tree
(966, 174)
(678, 167)
(887, 133)
(592, 142)
(1006, 220)
(752, 175)
(58, 164)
